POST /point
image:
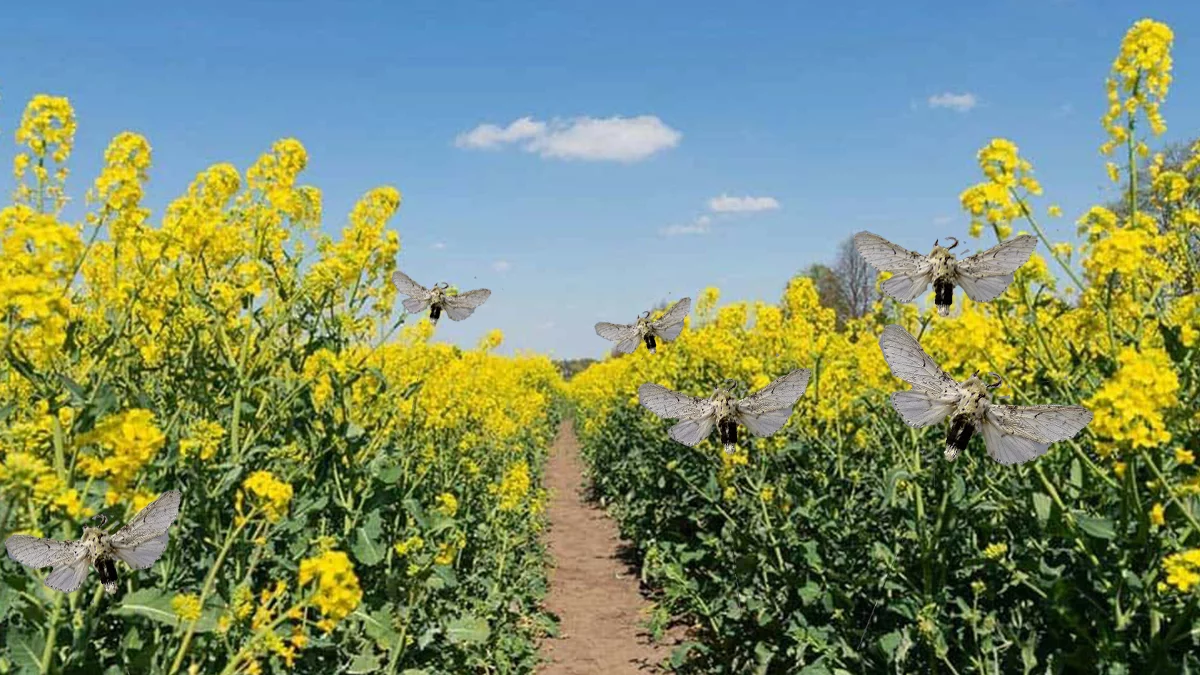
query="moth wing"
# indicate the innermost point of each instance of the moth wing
(615, 332)
(142, 555)
(1043, 423)
(691, 432)
(459, 307)
(415, 305)
(671, 323)
(910, 363)
(1007, 448)
(765, 423)
(766, 411)
(408, 287)
(68, 576)
(918, 409)
(987, 274)
(37, 553)
(671, 404)
(149, 523)
(906, 286)
(885, 256)
(669, 333)
(983, 289)
(630, 343)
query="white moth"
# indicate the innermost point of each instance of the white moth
(627, 336)
(138, 544)
(1012, 433)
(457, 307)
(764, 412)
(982, 276)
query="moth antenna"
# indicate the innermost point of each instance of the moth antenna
(975, 374)
(102, 518)
(952, 245)
(999, 380)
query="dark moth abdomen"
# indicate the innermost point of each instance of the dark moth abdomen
(434, 312)
(650, 343)
(108, 573)
(727, 428)
(943, 292)
(961, 430)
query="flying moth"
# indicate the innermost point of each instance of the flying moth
(627, 336)
(138, 544)
(982, 276)
(1012, 433)
(457, 307)
(764, 412)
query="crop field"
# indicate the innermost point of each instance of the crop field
(361, 498)
(848, 544)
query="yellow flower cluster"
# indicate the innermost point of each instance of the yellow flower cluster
(1129, 406)
(1183, 569)
(1141, 76)
(130, 440)
(186, 606)
(203, 440)
(995, 201)
(273, 494)
(514, 486)
(995, 551)
(337, 592)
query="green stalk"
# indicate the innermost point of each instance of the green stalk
(208, 582)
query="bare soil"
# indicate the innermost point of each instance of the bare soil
(593, 591)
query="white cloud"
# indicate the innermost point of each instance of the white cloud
(501, 266)
(614, 139)
(727, 204)
(697, 226)
(439, 245)
(943, 220)
(489, 136)
(959, 102)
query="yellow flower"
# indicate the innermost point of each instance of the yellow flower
(995, 551)
(1129, 406)
(131, 440)
(186, 606)
(1156, 515)
(514, 486)
(273, 494)
(447, 504)
(1054, 211)
(204, 437)
(337, 591)
(1184, 456)
(1183, 569)
(413, 543)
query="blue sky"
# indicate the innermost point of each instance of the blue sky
(822, 107)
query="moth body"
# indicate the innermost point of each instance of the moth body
(650, 343)
(726, 423)
(942, 261)
(964, 422)
(436, 297)
(108, 573)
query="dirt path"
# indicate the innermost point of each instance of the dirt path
(593, 592)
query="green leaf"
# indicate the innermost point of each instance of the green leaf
(467, 630)
(367, 548)
(378, 626)
(1041, 505)
(364, 663)
(414, 671)
(25, 651)
(150, 603)
(1101, 528)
